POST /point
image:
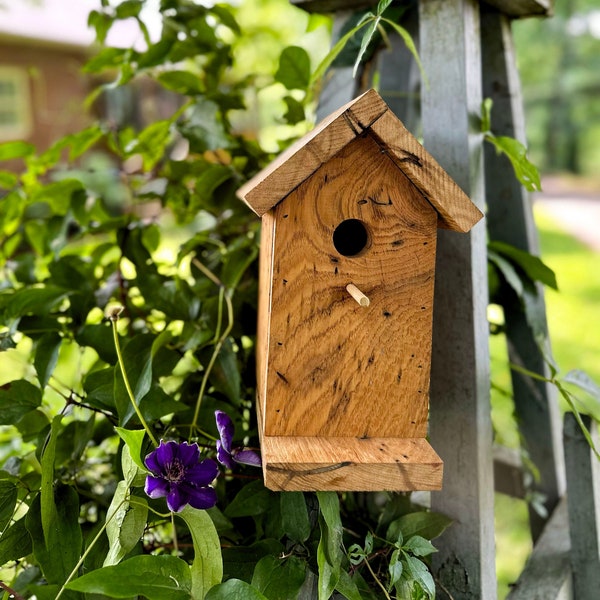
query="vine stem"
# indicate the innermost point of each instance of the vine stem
(88, 550)
(114, 317)
(224, 293)
(385, 592)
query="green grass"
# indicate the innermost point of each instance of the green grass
(575, 336)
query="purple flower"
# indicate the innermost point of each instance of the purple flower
(227, 455)
(177, 474)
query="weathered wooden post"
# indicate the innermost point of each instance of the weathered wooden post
(350, 216)
(460, 403)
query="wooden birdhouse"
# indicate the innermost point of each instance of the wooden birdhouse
(349, 223)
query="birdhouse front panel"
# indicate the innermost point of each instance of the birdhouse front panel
(335, 367)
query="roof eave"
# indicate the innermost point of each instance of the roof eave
(366, 114)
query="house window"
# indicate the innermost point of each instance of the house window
(15, 104)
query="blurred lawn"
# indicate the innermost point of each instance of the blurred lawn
(575, 335)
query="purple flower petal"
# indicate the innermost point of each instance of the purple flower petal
(178, 475)
(223, 456)
(225, 429)
(188, 453)
(156, 487)
(162, 456)
(177, 498)
(203, 473)
(247, 457)
(201, 498)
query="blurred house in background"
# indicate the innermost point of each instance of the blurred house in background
(43, 46)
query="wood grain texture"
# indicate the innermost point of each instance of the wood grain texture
(367, 114)
(455, 209)
(335, 368)
(460, 421)
(339, 464)
(583, 485)
(304, 157)
(547, 574)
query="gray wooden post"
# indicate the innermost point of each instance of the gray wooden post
(547, 574)
(510, 220)
(583, 482)
(460, 422)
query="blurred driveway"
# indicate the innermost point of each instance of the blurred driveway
(576, 210)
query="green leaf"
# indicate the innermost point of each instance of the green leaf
(129, 8)
(348, 587)
(101, 22)
(532, 265)
(382, 6)
(46, 356)
(294, 68)
(154, 577)
(583, 381)
(34, 300)
(421, 574)
(295, 111)
(240, 561)
(366, 40)
(48, 509)
(59, 194)
(279, 578)
(419, 546)
(322, 67)
(252, 500)
(125, 524)
(329, 551)
(8, 501)
(204, 127)
(425, 524)
(207, 567)
(17, 398)
(235, 589)
(182, 82)
(525, 171)
(395, 567)
(294, 516)
(486, 115)
(151, 143)
(18, 149)
(15, 542)
(134, 438)
(508, 271)
(8, 180)
(58, 549)
(82, 141)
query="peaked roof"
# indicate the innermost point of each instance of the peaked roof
(371, 115)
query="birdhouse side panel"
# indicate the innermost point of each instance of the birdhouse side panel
(265, 274)
(334, 367)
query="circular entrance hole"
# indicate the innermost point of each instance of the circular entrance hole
(350, 237)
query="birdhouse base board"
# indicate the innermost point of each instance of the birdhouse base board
(292, 463)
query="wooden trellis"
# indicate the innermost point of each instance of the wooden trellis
(467, 53)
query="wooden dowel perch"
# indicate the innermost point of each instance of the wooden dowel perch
(357, 295)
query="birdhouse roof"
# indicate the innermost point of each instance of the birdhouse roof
(366, 115)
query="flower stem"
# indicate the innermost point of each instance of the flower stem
(225, 295)
(114, 317)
